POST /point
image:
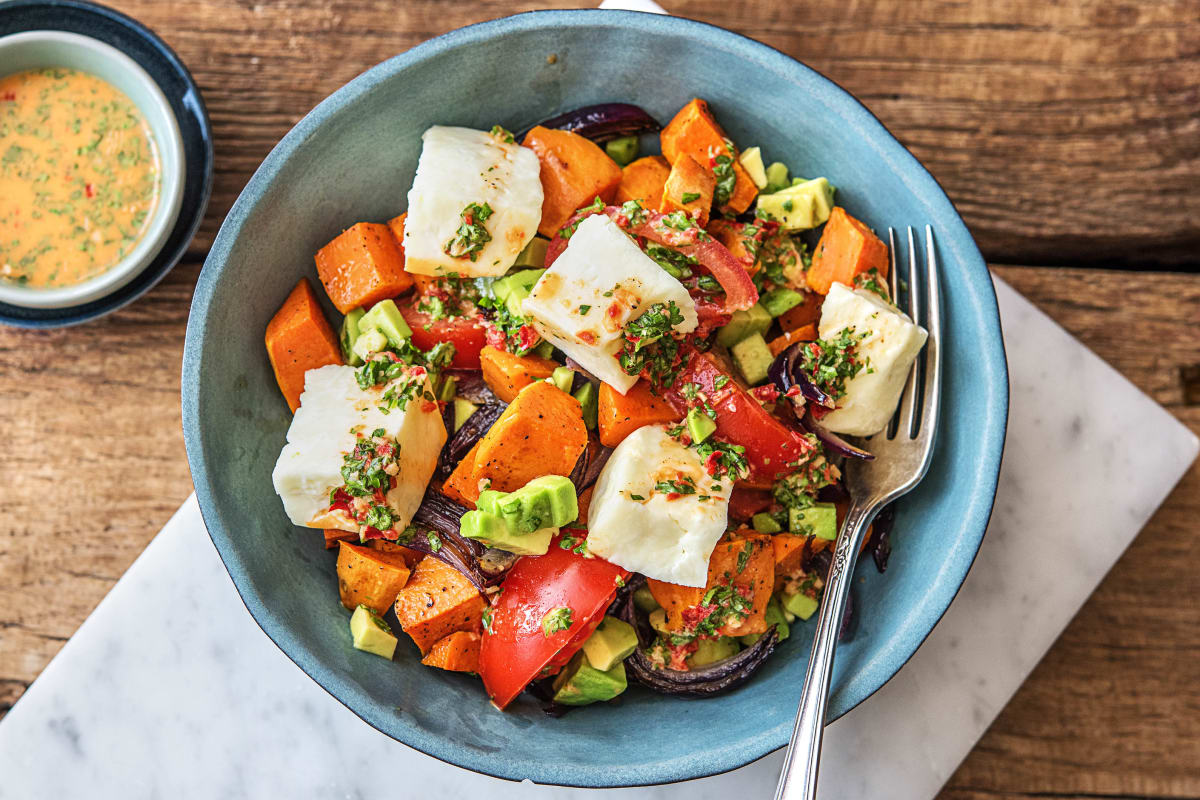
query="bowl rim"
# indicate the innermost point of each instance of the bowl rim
(279, 633)
(172, 175)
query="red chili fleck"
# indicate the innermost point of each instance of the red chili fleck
(792, 392)
(10, 96)
(89, 190)
(587, 337)
(614, 310)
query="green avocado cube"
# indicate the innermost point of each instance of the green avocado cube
(369, 342)
(463, 409)
(370, 633)
(710, 651)
(778, 302)
(513, 289)
(777, 178)
(751, 160)
(819, 520)
(765, 523)
(643, 598)
(589, 398)
(623, 149)
(349, 336)
(580, 684)
(755, 319)
(492, 531)
(563, 377)
(534, 254)
(799, 207)
(700, 425)
(386, 318)
(801, 605)
(753, 358)
(611, 643)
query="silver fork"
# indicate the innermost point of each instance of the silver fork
(903, 452)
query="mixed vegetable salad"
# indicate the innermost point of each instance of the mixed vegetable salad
(582, 418)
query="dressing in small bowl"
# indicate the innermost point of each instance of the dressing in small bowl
(90, 169)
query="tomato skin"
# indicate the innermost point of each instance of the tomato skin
(516, 649)
(467, 334)
(770, 445)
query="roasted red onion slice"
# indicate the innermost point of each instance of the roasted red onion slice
(603, 122)
(831, 440)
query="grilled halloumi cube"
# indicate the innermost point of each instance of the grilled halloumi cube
(332, 410)
(459, 167)
(601, 283)
(637, 522)
(891, 346)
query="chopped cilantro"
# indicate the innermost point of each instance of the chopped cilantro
(471, 235)
(556, 620)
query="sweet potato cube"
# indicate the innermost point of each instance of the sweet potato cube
(540, 433)
(461, 485)
(847, 248)
(333, 536)
(437, 601)
(689, 188)
(507, 374)
(622, 414)
(743, 559)
(694, 132)
(298, 339)
(642, 180)
(458, 652)
(362, 266)
(574, 171)
(807, 313)
(410, 556)
(806, 333)
(369, 577)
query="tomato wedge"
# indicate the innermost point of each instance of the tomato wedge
(467, 334)
(770, 445)
(515, 647)
(713, 256)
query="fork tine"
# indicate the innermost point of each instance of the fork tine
(931, 401)
(908, 401)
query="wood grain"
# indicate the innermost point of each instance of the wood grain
(1067, 133)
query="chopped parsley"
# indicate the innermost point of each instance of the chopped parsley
(685, 486)
(575, 544)
(379, 517)
(832, 362)
(471, 235)
(872, 281)
(637, 497)
(649, 348)
(744, 557)
(633, 210)
(585, 308)
(502, 135)
(722, 167)
(435, 541)
(556, 620)
(689, 197)
(595, 207)
(722, 459)
(365, 468)
(678, 265)
(487, 619)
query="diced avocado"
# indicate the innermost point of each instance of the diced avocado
(386, 318)
(463, 409)
(643, 598)
(513, 289)
(548, 501)
(658, 620)
(710, 651)
(778, 302)
(765, 523)
(447, 388)
(590, 400)
(369, 342)
(801, 206)
(534, 254)
(777, 178)
(774, 616)
(563, 377)
(350, 336)
(494, 532)
(752, 357)
(611, 643)
(622, 150)
(580, 683)
(700, 425)
(751, 159)
(544, 349)
(755, 319)
(819, 520)
(371, 633)
(800, 604)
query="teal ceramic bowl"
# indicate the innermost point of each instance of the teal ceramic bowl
(352, 158)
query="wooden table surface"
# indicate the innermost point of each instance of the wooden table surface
(1068, 135)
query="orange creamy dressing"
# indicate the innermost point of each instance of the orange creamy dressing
(79, 177)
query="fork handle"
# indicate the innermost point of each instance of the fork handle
(798, 781)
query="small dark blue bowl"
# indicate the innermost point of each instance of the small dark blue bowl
(351, 159)
(164, 67)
